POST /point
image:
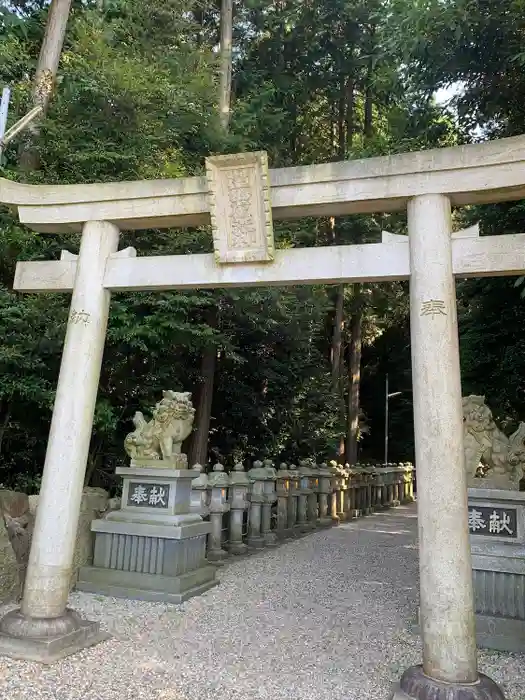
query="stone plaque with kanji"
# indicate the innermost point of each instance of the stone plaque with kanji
(148, 495)
(493, 521)
(240, 208)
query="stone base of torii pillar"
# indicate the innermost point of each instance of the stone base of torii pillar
(47, 640)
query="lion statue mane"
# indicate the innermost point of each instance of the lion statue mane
(162, 436)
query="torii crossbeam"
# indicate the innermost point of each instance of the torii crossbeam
(240, 198)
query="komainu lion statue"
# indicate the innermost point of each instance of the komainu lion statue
(487, 448)
(163, 435)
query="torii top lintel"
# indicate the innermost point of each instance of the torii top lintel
(472, 174)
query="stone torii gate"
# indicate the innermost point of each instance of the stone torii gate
(241, 197)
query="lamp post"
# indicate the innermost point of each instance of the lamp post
(4, 107)
(387, 399)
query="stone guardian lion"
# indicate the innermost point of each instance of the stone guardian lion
(485, 445)
(162, 436)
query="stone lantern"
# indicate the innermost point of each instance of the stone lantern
(239, 488)
(283, 496)
(325, 490)
(199, 492)
(218, 483)
(270, 496)
(344, 485)
(335, 486)
(257, 476)
(305, 491)
(293, 499)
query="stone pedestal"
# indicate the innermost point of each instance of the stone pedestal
(336, 489)
(257, 477)
(325, 491)
(239, 487)
(359, 479)
(283, 493)
(369, 478)
(342, 513)
(408, 483)
(270, 496)
(153, 548)
(218, 483)
(497, 540)
(293, 501)
(199, 492)
(305, 491)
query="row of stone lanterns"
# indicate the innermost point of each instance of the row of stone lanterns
(290, 501)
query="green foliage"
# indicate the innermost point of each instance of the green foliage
(313, 82)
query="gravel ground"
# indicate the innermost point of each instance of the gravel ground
(324, 617)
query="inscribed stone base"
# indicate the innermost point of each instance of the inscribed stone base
(497, 537)
(155, 494)
(415, 685)
(47, 641)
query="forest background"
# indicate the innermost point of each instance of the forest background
(280, 373)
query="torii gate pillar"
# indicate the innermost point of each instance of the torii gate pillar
(44, 629)
(449, 668)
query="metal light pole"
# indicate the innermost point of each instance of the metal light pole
(387, 398)
(4, 106)
(7, 136)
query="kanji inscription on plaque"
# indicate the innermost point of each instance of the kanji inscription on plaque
(493, 522)
(148, 495)
(240, 209)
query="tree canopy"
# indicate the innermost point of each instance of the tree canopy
(137, 96)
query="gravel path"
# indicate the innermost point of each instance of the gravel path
(323, 617)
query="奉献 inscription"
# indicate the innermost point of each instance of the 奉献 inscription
(148, 495)
(433, 307)
(502, 522)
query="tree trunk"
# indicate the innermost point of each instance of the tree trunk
(5, 423)
(341, 120)
(350, 108)
(337, 337)
(368, 126)
(45, 77)
(354, 362)
(226, 62)
(199, 445)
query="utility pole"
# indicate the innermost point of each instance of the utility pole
(386, 420)
(4, 108)
(387, 399)
(7, 136)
